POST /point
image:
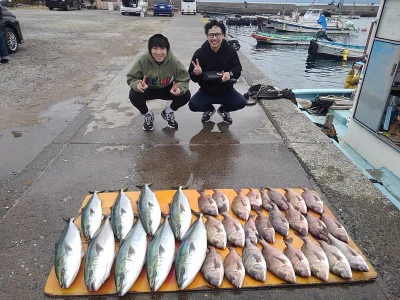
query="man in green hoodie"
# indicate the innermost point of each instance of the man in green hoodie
(158, 74)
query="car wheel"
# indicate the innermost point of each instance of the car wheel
(11, 40)
(51, 8)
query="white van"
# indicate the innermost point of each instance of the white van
(134, 7)
(188, 7)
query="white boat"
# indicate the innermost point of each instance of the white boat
(334, 49)
(307, 24)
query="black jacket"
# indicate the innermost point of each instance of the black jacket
(226, 59)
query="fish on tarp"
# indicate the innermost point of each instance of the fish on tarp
(296, 220)
(297, 258)
(254, 262)
(317, 259)
(278, 220)
(335, 228)
(250, 230)
(338, 263)
(121, 216)
(313, 201)
(216, 233)
(277, 262)
(69, 254)
(191, 253)
(234, 230)
(265, 199)
(278, 198)
(241, 205)
(234, 268)
(131, 258)
(92, 215)
(255, 198)
(317, 228)
(222, 201)
(207, 204)
(213, 267)
(264, 227)
(160, 255)
(100, 256)
(296, 200)
(356, 261)
(149, 210)
(181, 215)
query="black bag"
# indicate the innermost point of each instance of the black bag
(211, 76)
(267, 92)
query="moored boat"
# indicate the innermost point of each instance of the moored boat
(278, 39)
(335, 49)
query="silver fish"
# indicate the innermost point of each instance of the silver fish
(100, 257)
(317, 228)
(160, 255)
(213, 267)
(296, 220)
(92, 215)
(233, 268)
(297, 258)
(255, 198)
(191, 253)
(356, 261)
(131, 258)
(216, 234)
(181, 215)
(278, 198)
(234, 230)
(265, 199)
(222, 201)
(207, 204)
(278, 220)
(265, 228)
(319, 263)
(313, 201)
(338, 263)
(122, 216)
(335, 228)
(278, 263)
(254, 262)
(241, 205)
(149, 210)
(69, 255)
(296, 200)
(250, 230)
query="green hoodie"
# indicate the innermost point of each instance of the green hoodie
(158, 75)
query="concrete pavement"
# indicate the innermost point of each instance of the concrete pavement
(105, 148)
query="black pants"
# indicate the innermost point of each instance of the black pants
(139, 99)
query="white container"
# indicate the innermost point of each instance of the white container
(110, 5)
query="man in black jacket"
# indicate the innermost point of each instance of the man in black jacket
(217, 56)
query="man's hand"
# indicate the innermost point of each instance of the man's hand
(225, 76)
(142, 86)
(197, 69)
(175, 90)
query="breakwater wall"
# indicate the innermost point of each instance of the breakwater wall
(245, 8)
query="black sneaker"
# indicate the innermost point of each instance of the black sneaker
(148, 121)
(207, 115)
(5, 61)
(225, 115)
(170, 118)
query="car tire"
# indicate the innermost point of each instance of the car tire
(11, 40)
(51, 8)
(123, 13)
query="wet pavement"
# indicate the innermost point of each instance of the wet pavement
(269, 144)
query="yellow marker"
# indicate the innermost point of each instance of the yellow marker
(345, 52)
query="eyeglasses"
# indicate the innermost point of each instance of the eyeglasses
(217, 35)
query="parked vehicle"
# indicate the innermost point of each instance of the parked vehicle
(7, 3)
(163, 7)
(12, 30)
(64, 4)
(188, 7)
(134, 7)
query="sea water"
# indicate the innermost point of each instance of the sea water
(290, 67)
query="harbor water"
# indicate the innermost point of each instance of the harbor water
(289, 66)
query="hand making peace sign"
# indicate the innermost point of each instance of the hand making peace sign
(197, 69)
(142, 86)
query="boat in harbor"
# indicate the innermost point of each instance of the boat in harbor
(307, 23)
(281, 39)
(324, 48)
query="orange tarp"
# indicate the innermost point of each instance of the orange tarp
(52, 287)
